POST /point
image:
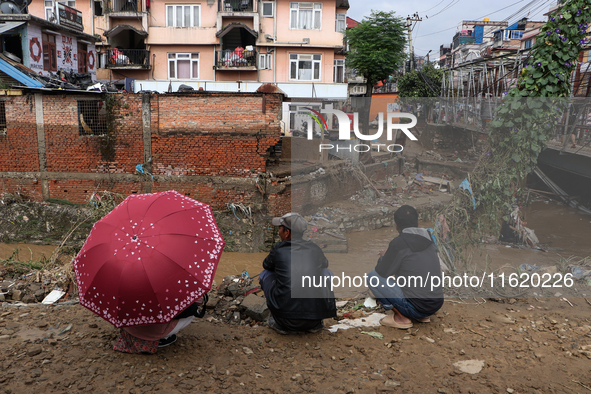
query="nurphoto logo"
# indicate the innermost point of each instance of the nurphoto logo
(346, 126)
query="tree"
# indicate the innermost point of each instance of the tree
(423, 83)
(376, 51)
(376, 47)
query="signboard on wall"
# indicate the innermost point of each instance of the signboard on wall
(69, 17)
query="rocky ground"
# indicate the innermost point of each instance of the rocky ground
(514, 346)
(472, 345)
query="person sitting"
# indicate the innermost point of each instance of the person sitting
(147, 339)
(294, 307)
(410, 258)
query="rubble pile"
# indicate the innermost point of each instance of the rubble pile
(35, 286)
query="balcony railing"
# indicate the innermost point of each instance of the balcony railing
(128, 58)
(235, 58)
(237, 6)
(125, 6)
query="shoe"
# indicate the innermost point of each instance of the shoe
(273, 324)
(424, 319)
(317, 328)
(167, 341)
(389, 321)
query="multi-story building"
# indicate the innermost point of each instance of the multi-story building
(224, 45)
(444, 55)
(510, 39)
(471, 39)
(47, 42)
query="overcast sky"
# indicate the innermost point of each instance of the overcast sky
(440, 18)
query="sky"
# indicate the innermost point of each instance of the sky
(440, 18)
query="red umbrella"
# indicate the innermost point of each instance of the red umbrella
(148, 259)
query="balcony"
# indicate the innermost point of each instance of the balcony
(236, 59)
(131, 59)
(237, 6)
(123, 8)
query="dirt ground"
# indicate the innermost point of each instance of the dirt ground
(527, 346)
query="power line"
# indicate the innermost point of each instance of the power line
(453, 2)
(436, 5)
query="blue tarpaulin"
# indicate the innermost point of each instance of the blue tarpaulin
(466, 186)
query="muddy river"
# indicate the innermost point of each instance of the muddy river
(562, 230)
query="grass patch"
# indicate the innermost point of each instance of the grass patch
(60, 201)
(15, 265)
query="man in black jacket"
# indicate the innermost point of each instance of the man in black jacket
(295, 307)
(401, 279)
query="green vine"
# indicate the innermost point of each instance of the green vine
(108, 141)
(522, 125)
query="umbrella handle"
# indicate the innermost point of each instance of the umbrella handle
(194, 310)
(202, 311)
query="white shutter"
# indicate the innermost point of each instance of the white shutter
(269, 61)
(262, 61)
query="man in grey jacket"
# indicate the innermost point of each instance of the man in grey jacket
(401, 279)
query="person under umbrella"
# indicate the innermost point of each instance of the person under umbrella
(146, 263)
(147, 339)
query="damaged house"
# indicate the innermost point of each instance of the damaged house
(48, 51)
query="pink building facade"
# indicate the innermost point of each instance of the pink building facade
(223, 45)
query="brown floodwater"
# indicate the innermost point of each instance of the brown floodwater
(564, 230)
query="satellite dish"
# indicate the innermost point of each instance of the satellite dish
(15, 6)
(9, 7)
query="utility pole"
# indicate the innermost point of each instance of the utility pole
(409, 25)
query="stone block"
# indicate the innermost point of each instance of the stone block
(255, 307)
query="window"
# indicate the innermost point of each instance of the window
(341, 23)
(528, 43)
(49, 15)
(305, 16)
(69, 3)
(358, 89)
(265, 61)
(82, 60)
(304, 67)
(187, 15)
(339, 71)
(92, 117)
(2, 118)
(98, 8)
(268, 9)
(183, 66)
(49, 52)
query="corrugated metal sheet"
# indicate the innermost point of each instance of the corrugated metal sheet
(6, 26)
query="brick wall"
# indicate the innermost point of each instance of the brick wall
(209, 146)
(18, 148)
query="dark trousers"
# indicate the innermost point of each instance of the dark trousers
(265, 280)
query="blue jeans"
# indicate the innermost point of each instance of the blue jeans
(391, 296)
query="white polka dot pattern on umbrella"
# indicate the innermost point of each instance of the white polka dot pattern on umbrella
(148, 259)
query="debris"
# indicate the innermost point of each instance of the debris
(579, 272)
(466, 186)
(65, 330)
(52, 297)
(374, 334)
(471, 367)
(255, 307)
(370, 302)
(372, 320)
